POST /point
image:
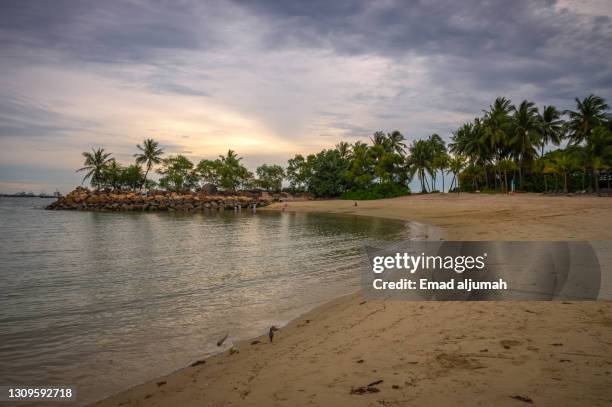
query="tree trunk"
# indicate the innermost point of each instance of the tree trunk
(422, 182)
(596, 180)
(442, 181)
(144, 181)
(505, 181)
(494, 180)
(565, 182)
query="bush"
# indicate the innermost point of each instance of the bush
(377, 191)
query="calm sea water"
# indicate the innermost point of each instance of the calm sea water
(103, 301)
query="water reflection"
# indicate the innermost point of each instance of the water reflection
(107, 300)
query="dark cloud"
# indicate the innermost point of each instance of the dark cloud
(393, 28)
(492, 44)
(101, 31)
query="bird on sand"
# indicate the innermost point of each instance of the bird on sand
(271, 333)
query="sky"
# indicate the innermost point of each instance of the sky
(271, 79)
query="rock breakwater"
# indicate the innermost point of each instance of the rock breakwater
(82, 199)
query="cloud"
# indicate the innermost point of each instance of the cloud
(279, 77)
(20, 117)
(176, 88)
(99, 31)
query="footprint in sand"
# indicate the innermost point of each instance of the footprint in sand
(448, 360)
(509, 343)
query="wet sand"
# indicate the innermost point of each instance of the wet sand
(423, 353)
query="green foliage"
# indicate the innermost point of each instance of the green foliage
(177, 174)
(133, 177)
(270, 177)
(357, 167)
(502, 146)
(232, 173)
(377, 191)
(551, 127)
(112, 174)
(420, 161)
(106, 172)
(298, 173)
(327, 173)
(590, 112)
(455, 165)
(150, 154)
(208, 171)
(95, 165)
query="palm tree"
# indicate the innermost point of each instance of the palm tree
(95, 164)
(379, 138)
(440, 162)
(231, 171)
(396, 142)
(590, 112)
(469, 141)
(505, 166)
(437, 149)
(420, 161)
(230, 158)
(525, 134)
(497, 122)
(595, 154)
(455, 165)
(561, 163)
(551, 127)
(360, 171)
(150, 154)
(344, 149)
(497, 125)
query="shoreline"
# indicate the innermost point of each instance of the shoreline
(418, 229)
(239, 344)
(222, 379)
(523, 216)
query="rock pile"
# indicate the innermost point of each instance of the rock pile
(82, 199)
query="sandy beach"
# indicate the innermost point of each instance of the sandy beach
(357, 353)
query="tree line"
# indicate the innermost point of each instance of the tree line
(177, 172)
(508, 146)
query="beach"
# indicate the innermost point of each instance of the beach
(355, 352)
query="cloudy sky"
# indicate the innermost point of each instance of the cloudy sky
(274, 78)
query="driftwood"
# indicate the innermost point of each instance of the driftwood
(222, 340)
